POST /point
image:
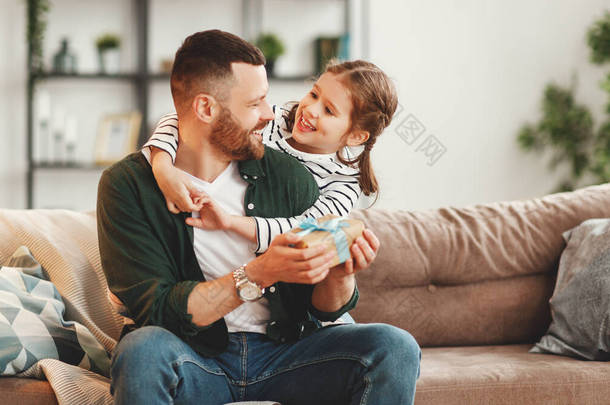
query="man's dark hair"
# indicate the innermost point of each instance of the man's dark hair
(203, 65)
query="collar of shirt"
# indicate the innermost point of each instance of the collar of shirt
(251, 170)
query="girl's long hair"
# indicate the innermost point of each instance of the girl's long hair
(374, 102)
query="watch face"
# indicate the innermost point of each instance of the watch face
(249, 292)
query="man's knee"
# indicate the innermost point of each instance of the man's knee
(143, 348)
(152, 362)
(394, 343)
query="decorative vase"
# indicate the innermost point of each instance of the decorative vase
(110, 61)
(64, 60)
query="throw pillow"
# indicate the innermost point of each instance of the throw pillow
(32, 324)
(580, 305)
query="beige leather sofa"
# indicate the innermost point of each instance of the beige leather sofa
(471, 284)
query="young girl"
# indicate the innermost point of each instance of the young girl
(349, 105)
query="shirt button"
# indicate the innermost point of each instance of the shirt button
(245, 176)
(250, 206)
(272, 289)
(255, 177)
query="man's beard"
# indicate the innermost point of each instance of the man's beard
(233, 140)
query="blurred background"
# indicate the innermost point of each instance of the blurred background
(498, 100)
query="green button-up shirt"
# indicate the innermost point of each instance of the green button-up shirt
(148, 258)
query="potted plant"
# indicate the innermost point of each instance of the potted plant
(567, 128)
(272, 47)
(36, 24)
(108, 53)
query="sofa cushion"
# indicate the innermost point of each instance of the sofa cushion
(32, 322)
(509, 375)
(26, 391)
(65, 244)
(455, 315)
(471, 247)
(451, 246)
(580, 304)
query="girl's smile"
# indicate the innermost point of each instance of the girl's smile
(323, 117)
(305, 126)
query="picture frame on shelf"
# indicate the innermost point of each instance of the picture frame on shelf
(117, 136)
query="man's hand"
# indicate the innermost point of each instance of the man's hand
(333, 292)
(211, 216)
(177, 188)
(364, 251)
(282, 262)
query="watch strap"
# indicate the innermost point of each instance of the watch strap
(240, 278)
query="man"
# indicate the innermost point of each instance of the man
(211, 330)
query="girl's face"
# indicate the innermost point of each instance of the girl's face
(322, 120)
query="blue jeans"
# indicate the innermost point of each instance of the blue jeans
(373, 364)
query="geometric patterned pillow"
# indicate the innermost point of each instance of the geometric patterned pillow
(32, 324)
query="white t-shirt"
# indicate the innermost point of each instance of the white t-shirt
(220, 252)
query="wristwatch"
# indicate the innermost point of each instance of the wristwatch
(247, 290)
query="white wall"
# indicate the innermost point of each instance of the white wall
(470, 71)
(12, 103)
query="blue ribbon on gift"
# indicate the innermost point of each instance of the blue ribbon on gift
(334, 227)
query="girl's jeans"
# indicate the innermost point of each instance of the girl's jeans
(374, 364)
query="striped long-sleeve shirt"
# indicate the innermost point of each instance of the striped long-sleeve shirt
(338, 183)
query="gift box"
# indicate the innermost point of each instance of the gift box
(337, 233)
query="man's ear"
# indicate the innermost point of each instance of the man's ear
(357, 137)
(205, 107)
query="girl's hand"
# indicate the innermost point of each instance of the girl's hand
(177, 188)
(211, 215)
(363, 250)
(179, 192)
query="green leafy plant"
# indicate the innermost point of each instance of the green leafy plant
(601, 153)
(271, 46)
(36, 25)
(598, 38)
(107, 41)
(567, 128)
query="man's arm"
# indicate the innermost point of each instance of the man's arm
(137, 261)
(338, 293)
(331, 294)
(210, 301)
